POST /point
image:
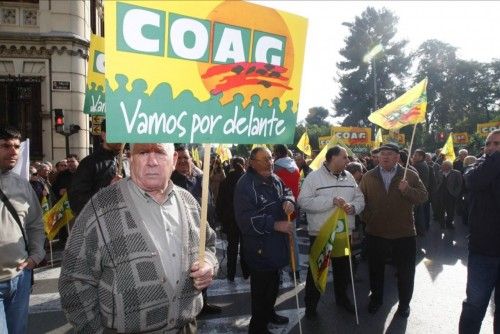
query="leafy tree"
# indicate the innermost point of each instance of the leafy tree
(317, 115)
(356, 96)
(460, 93)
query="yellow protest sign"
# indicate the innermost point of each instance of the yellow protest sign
(353, 135)
(484, 128)
(460, 138)
(94, 91)
(210, 71)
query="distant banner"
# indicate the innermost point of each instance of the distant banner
(394, 138)
(353, 135)
(460, 138)
(361, 149)
(94, 90)
(484, 128)
(202, 72)
(323, 141)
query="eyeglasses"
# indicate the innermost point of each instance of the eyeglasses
(267, 159)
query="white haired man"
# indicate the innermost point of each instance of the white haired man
(131, 262)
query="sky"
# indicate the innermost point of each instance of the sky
(471, 26)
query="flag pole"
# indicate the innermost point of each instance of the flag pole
(409, 150)
(352, 275)
(294, 268)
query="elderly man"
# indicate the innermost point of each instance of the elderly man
(458, 164)
(131, 263)
(449, 188)
(483, 268)
(261, 205)
(21, 236)
(324, 190)
(390, 226)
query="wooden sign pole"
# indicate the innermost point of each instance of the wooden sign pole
(204, 203)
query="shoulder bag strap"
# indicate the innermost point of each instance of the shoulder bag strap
(14, 214)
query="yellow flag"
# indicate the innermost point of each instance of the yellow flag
(44, 203)
(326, 246)
(378, 139)
(224, 153)
(448, 150)
(316, 163)
(195, 155)
(409, 108)
(57, 217)
(303, 144)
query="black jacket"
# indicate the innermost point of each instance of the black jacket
(225, 205)
(193, 185)
(258, 204)
(94, 172)
(483, 183)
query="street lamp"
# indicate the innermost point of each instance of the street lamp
(370, 57)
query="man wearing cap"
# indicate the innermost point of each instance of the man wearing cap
(390, 226)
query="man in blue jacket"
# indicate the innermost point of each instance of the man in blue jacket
(483, 268)
(261, 206)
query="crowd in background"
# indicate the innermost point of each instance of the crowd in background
(442, 196)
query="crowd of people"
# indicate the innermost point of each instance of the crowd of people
(131, 260)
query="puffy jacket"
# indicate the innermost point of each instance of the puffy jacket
(483, 183)
(289, 173)
(258, 204)
(317, 193)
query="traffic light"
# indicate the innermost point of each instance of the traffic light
(59, 120)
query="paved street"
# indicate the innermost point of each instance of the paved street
(439, 290)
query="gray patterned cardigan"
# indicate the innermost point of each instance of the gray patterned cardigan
(112, 276)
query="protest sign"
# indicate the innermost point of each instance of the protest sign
(202, 72)
(94, 90)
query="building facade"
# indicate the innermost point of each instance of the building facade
(44, 48)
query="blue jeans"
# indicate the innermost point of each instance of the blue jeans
(14, 303)
(483, 275)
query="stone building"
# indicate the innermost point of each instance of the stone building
(43, 62)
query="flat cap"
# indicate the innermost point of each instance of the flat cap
(390, 147)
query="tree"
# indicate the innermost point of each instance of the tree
(356, 96)
(460, 93)
(317, 115)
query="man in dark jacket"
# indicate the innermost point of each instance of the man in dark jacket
(261, 205)
(449, 185)
(95, 171)
(420, 165)
(483, 268)
(225, 212)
